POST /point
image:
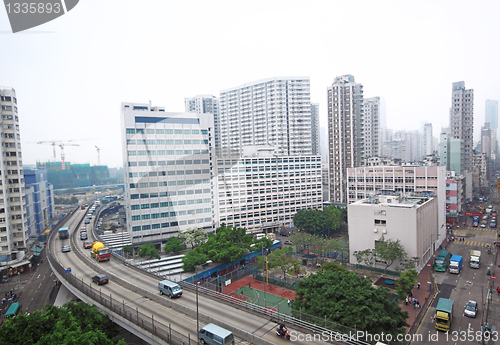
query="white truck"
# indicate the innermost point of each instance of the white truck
(475, 258)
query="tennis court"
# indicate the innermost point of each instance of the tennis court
(265, 299)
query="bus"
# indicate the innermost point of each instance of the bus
(13, 310)
(441, 261)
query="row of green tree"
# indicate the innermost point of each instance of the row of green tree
(65, 201)
(228, 244)
(344, 297)
(387, 252)
(73, 323)
(320, 221)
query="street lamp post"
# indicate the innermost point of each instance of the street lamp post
(263, 258)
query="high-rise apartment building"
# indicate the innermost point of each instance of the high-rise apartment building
(462, 122)
(13, 217)
(206, 104)
(345, 113)
(491, 113)
(274, 112)
(449, 151)
(428, 140)
(168, 171)
(371, 126)
(315, 128)
(39, 200)
(491, 117)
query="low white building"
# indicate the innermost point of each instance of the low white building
(413, 220)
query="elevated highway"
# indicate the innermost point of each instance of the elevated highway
(131, 299)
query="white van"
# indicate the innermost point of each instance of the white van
(214, 335)
(260, 236)
(171, 289)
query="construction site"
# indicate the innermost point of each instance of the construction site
(63, 175)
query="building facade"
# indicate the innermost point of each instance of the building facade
(315, 131)
(261, 191)
(168, 177)
(206, 104)
(365, 182)
(412, 220)
(39, 200)
(13, 215)
(462, 123)
(274, 112)
(371, 127)
(345, 115)
(450, 151)
(428, 140)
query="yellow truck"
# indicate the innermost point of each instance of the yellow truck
(444, 314)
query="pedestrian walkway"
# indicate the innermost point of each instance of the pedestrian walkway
(471, 242)
(493, 316)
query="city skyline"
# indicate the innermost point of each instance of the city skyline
(71, 77)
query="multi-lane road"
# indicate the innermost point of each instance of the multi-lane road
(470, 284)
(257, 325)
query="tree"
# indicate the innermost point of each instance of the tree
(318, 221)
(406, 282)
(390, 251)
(192, 259)
(343, 297)
(281, 259)
(174, 245)
(194, 236)
(332, 266)
(148, 250)
(73, 323)
(300, 240)
(335, 217)
(366, 256)
(229, 244)
(386, 251)
(128, 249)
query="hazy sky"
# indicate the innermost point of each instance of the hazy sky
(72, 73)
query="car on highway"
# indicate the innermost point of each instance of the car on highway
(470, 309)
(100, 279)
(83, 236)
(87, 244)
(66, 249)
(82, 229)
(87, 221)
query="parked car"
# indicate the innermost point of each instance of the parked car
(100, 279)
(66, 249)
(87, 244)
(470, 309)
(288, 242)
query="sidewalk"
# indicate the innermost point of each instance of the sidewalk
(493, 317)
(422, 294)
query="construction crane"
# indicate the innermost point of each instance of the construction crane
(61, 144)
(98, 155)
